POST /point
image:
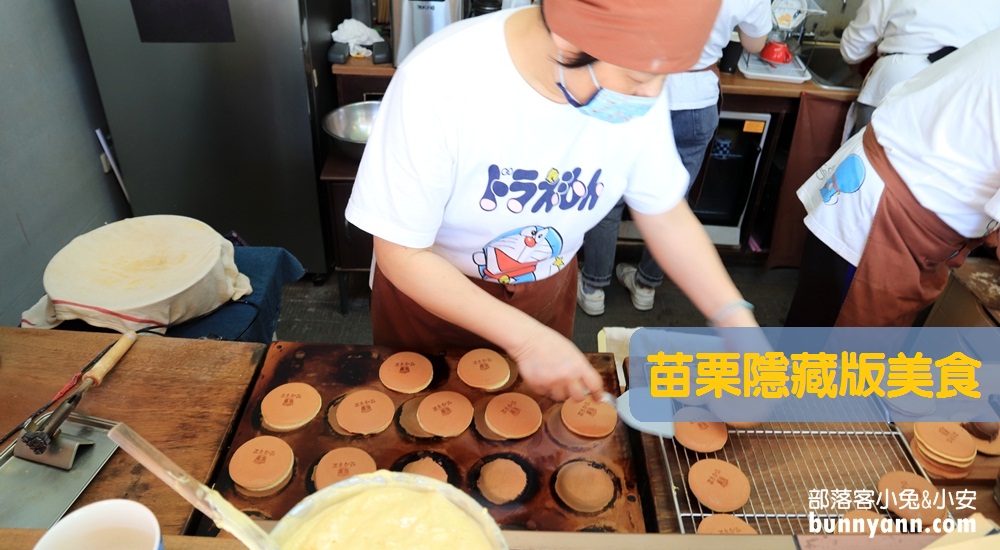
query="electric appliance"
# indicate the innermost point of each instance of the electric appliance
(722, 190)
(415, 20)
(214, 111)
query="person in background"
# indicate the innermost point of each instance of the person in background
(694, 99)
(906, 198)
(500, 141)
(908, 36)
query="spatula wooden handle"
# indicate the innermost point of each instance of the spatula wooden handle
(110, 359)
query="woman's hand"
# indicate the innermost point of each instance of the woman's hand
(554, 366)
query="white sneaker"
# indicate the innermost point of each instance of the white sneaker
(592, 304)
(642, 296)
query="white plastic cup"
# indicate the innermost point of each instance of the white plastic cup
(115, 524)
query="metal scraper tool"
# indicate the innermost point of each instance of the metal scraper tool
(38, 436)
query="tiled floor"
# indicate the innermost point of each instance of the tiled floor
(311, 313)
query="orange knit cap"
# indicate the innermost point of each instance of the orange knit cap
(652, 36)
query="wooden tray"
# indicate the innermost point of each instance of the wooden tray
(334, 370)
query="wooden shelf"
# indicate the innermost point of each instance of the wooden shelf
(363, 66)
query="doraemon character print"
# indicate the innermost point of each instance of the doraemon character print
(519, 255)
(847, 178)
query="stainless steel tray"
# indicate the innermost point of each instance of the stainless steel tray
(35, 496)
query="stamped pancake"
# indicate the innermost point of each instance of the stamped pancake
(289, 407)
(513, 415)
(262, 466)
(719, 485)
(365, 412)
(483, 369)
(406, 372)
(724, 524)
(445, 413)
(699, 430)
(340, 464)
(589, 418)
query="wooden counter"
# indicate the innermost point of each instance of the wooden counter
(734, 83)
(182, 395)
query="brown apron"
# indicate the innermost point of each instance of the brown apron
(904, 266)
(399, 322)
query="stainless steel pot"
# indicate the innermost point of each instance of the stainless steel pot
(350, 126)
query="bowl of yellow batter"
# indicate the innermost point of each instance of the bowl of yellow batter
(388, 510)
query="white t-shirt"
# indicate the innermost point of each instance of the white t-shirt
(697, 89)
(939, 130)
(910, 29)
(466, 158)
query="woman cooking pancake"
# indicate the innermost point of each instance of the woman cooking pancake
(500, 141)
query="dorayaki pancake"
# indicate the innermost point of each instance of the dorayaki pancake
(340, 464)
(289, 406)
(406, 372)
(513, 415)
(947, 441)
(719, 485)
(262, 466)
(724, 524)
(699, 430)
(589, 418)
(365, 412)
(937, 469)
(483, 369)
(445, 413)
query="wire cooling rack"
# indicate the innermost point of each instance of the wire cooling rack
(784, 461)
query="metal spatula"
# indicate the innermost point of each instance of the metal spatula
(660, 429)
(209, 501)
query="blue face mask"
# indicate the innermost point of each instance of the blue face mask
(607, 105)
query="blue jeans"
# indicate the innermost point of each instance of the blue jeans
(693, 132)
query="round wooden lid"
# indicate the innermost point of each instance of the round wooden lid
(589, 418)
(289, 406)
(718, 485)
(584, 487)
(699, 430)
(406, 372)
(341, 464)
(365, 412)
(445, 413)
(891, 487)
(484, 369)
(502, 480)
(262, 465)
(513, 415)
(724, 524)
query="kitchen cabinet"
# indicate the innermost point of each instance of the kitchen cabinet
(351, 248)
